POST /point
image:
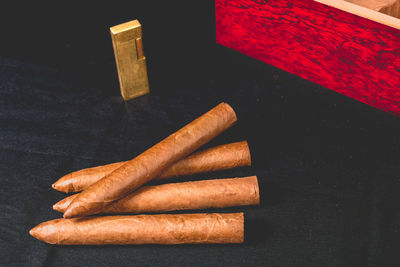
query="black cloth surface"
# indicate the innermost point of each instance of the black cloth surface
(328, 166)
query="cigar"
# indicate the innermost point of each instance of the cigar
(152, 162)
(217, 193)
(221, 157)
(143, 229)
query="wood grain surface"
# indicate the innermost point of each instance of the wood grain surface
(354, 56)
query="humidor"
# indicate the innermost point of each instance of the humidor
(342, 46)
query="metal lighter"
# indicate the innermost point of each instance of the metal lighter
(130, 59)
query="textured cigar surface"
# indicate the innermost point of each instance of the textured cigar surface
(221, 157)
(143, 229)
(152, 162)
(217, 193)
(82, 179)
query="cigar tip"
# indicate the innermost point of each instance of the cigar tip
(72, 210)
(69, 213)
(56, 207)
(64, 184)
(33, 232)
(46, 232)
(59, 186)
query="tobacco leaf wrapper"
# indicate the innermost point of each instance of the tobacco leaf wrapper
(152, 162)
(221, 157)
(217, 193)
(143, 229)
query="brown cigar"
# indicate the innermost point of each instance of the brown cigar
(143, 229)
(152, 162)
(221, 157)
(218, 193)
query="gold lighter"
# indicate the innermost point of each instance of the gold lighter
(130, 60)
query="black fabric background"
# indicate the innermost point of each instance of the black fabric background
(327, 165)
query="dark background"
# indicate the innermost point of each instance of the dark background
(327, 165)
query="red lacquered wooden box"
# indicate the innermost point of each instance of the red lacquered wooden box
(350, 49)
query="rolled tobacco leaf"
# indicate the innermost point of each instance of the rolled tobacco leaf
(221, 157)
(217, 193)
(152, 162)
(143, 229)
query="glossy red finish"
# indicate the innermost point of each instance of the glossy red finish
(352, 55)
